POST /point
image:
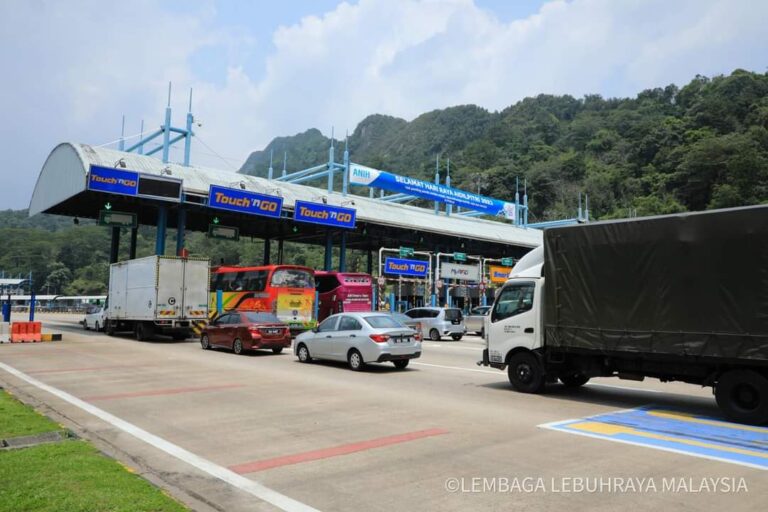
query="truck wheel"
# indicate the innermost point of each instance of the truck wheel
(180, 336)
(142, 331)
(96, 327)
(110, 328)
(574, 380)
(743, 396)
(525, 373)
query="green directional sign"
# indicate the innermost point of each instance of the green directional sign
(117, 219)
(508, 262)
(459, 256)
(406, 251)
(223, 232)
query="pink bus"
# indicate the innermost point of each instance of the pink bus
(342, 291)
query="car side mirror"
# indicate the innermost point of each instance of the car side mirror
(315, 330)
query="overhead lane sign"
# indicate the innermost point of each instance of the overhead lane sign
(244, 201)
(461, 272)
(132, 183)
(367, 176)
(115, 181)
(499, 274)
(403, 267)
(327, 215)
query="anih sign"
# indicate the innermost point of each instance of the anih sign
(324, 214)
(244, 201)
(114, 181)
(499, 274)
(362, 175)
(403, 267)
(461, 272)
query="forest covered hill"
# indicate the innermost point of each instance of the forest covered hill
(704, 145)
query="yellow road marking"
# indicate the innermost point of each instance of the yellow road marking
(595, 427)
(691, 419)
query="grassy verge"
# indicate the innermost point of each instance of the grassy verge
(68, 475)
(16, 419)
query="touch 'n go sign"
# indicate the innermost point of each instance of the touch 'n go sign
(327, 215)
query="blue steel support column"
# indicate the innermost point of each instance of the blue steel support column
(267, 251)
(517, 200)
(437, 181)
(525, 203)
(392, 303)
(345, 178)
(188, 135)
(343, 252)
(448, 207)
(141, 139)
(32, 302)
(114, 248)
(132, 247)
(331, 165)
(328, 264)
(270, 172)
(280, 252)
(162, 222)
(219, 301)
(167, 128)
(181, 228)
(121, 144)
(369, 263)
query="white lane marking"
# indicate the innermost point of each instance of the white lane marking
(479, 348)
(459, 368)
(245, 484)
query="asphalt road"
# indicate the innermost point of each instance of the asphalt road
(443, 434)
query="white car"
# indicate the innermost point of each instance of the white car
(95, 318)
(359, 339)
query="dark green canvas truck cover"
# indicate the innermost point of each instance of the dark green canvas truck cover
(687, 285)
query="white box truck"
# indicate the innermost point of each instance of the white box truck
(157, 295)
(677, 298)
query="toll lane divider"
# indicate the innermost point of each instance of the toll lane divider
(676, 431)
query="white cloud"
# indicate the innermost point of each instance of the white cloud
(70, 70)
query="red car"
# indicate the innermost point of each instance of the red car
(246, 330)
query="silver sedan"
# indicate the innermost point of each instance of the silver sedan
(358, 339)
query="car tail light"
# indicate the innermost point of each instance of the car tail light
(417, 336)
(379, 338)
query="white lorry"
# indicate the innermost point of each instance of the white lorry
(157, 295)
(679, 298)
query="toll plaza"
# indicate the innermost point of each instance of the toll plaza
(124, 190)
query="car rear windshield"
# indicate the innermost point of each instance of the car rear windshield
(261, 318)
(453, 314)
(382, 322)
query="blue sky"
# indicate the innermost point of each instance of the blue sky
(261, 69)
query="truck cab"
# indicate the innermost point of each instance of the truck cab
(515, 322)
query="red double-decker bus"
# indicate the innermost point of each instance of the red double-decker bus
(288, 291)
(343, 291)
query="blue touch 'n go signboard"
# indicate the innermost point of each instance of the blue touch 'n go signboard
(362, 175)
(244, 201)
(115, 181)
(403, 267)
(324, 214)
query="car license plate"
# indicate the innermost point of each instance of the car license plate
(455, 322)
(273, 331)
(402, 339)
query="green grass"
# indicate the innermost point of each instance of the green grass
(69, 476)
(16, 419)
(74, 476)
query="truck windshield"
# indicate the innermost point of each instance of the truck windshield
(513, 300)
